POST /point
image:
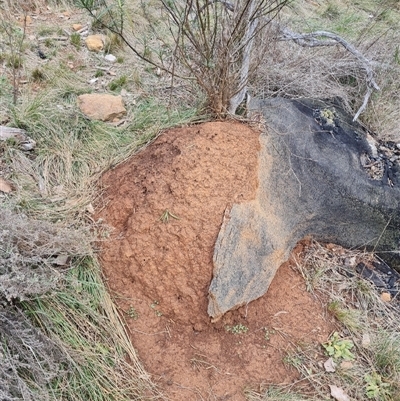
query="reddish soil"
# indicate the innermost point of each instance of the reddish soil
(159, 268)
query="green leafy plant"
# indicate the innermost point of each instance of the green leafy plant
(375, 387)
(339, 348)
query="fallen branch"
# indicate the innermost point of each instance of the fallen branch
(17, 134)
(313, 39)
(60, 38)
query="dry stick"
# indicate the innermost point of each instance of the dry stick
(60, 38)
(312, 39)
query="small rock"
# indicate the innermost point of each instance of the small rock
(5, 186)
(95, 43)
(111, 58)
(330, 365)
(77, 27)
(398, 145)
(386, 297)
(102, 107)
(61, 260)
(350, 262)
(90, 208)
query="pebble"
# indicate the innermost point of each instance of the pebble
(386, 297)
(111, 58)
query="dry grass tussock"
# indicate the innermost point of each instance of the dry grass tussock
(61, 335)
(33, 254)
(364, 320)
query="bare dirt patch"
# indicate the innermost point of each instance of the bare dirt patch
(166, 206)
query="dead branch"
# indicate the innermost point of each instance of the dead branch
(313, 39)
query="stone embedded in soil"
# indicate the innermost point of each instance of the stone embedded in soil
(311, 183)
(95, 43)
(5, 186)
(102, 107)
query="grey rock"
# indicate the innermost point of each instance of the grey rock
(311, 183)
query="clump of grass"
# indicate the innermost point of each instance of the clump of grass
(345, 315)
(72, 150)
(102, 365)
(275, 393)
(28, 254)
(38, 75)
(75, 40)
(113, 43)
(118, 83)
(14, 61)
(49, 43)
(99, 73)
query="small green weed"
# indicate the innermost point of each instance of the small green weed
(132, 313)
(45, 31)
(375, 387)
(154, 306)
(268, 333)
(339, 348)
(167, 215)
(293, 360)
(237, 329)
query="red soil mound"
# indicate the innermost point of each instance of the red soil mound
(166, 207)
